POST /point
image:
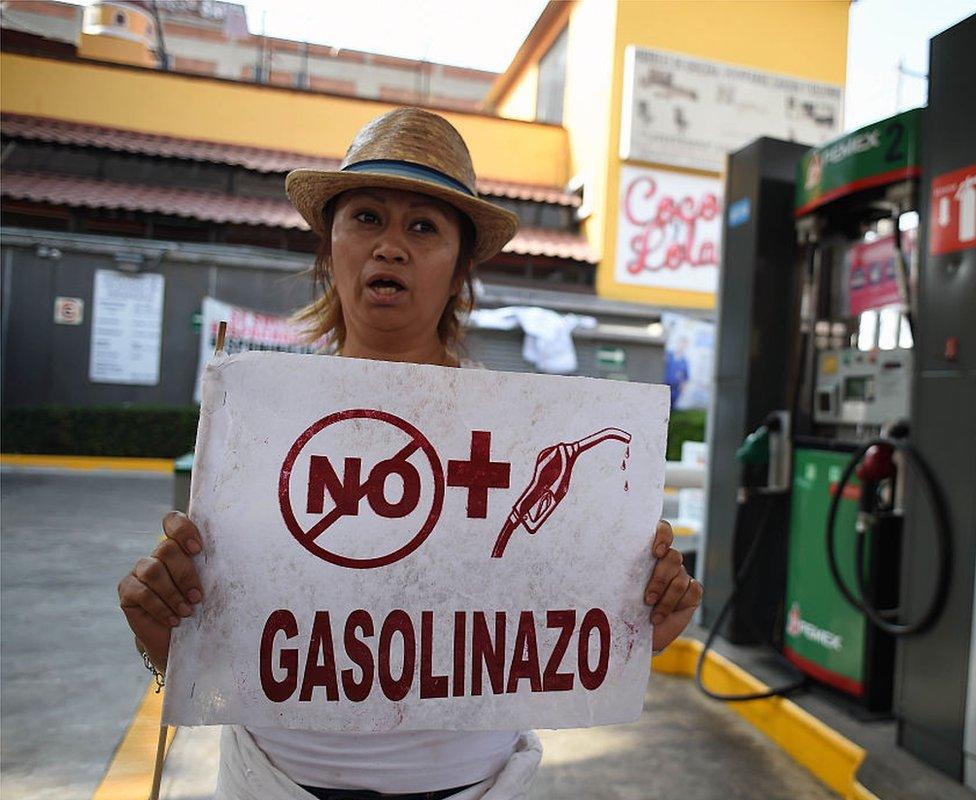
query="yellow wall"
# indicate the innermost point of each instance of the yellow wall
(587, 112)
(103, 47)
(262, 116)
(513, 94)
(519, 102)
(800, 38)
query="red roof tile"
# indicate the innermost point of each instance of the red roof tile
(73, 133)
(75, 191)
(259, 159)
(93, 193)
(553, 244)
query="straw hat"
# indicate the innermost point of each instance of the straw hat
(413, 150)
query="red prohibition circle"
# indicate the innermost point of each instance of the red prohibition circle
(284, 489)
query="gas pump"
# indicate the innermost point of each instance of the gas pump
(839, 381)
(857, 202)
(860, 330)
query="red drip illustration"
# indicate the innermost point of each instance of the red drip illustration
(549, 485)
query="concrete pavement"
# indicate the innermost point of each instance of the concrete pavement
(71, 678)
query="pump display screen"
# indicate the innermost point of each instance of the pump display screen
(860, 388)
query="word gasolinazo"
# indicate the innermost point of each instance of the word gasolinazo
(304, 661)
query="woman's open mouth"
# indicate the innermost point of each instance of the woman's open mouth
(385, 288)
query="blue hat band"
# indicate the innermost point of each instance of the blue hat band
(405, 169)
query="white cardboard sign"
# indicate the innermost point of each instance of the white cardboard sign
(369, 558)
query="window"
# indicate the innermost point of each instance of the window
(552, 82)
(120, 19)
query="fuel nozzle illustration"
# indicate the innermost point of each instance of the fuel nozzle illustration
(549, 484)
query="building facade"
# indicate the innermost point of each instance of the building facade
(660, 91)
(123, 155)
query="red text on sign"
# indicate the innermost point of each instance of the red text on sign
(287, 667)
(350, 490)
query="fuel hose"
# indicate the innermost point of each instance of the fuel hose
(740, 576)
(933, 495)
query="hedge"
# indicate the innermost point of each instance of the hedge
(685, 426)
(169, 432)
(147, 431)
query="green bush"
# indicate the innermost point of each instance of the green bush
(685, 426)
(154, 432)
(135, 431)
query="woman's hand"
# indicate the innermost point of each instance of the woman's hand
(163, 588)
(672, 594)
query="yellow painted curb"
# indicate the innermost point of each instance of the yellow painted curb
(833, 758)
(130, 773)
(87, 462)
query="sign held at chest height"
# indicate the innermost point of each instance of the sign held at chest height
(401, 547)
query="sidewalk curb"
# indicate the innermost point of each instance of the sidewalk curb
(833, 758)
(130, 772)
(88, 463)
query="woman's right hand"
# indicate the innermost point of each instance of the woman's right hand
(163, 588)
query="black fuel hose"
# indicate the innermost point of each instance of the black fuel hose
(933, 495)
(747, 562)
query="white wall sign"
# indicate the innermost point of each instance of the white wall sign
(690, 112)
(127, 327)
(669, 228)
(368, 558)
(69, 310)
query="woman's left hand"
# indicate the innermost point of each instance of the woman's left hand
(672, 594)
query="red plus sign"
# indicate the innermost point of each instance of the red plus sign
(479, 474)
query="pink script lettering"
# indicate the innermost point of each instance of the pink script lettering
(668, 228)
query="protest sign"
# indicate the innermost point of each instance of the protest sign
(395, 546)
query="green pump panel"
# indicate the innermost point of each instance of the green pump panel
(824, 636)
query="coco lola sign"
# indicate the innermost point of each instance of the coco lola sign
(393, 546)
(669, 227)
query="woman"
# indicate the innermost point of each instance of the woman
(402, 230)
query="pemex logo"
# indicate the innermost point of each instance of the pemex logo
(793, 626)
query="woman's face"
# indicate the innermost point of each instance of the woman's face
(394, 255)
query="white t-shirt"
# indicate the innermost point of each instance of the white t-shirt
(390, 763)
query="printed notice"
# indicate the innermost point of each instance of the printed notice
(404, 547)
(127, 328)
(688, 112)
